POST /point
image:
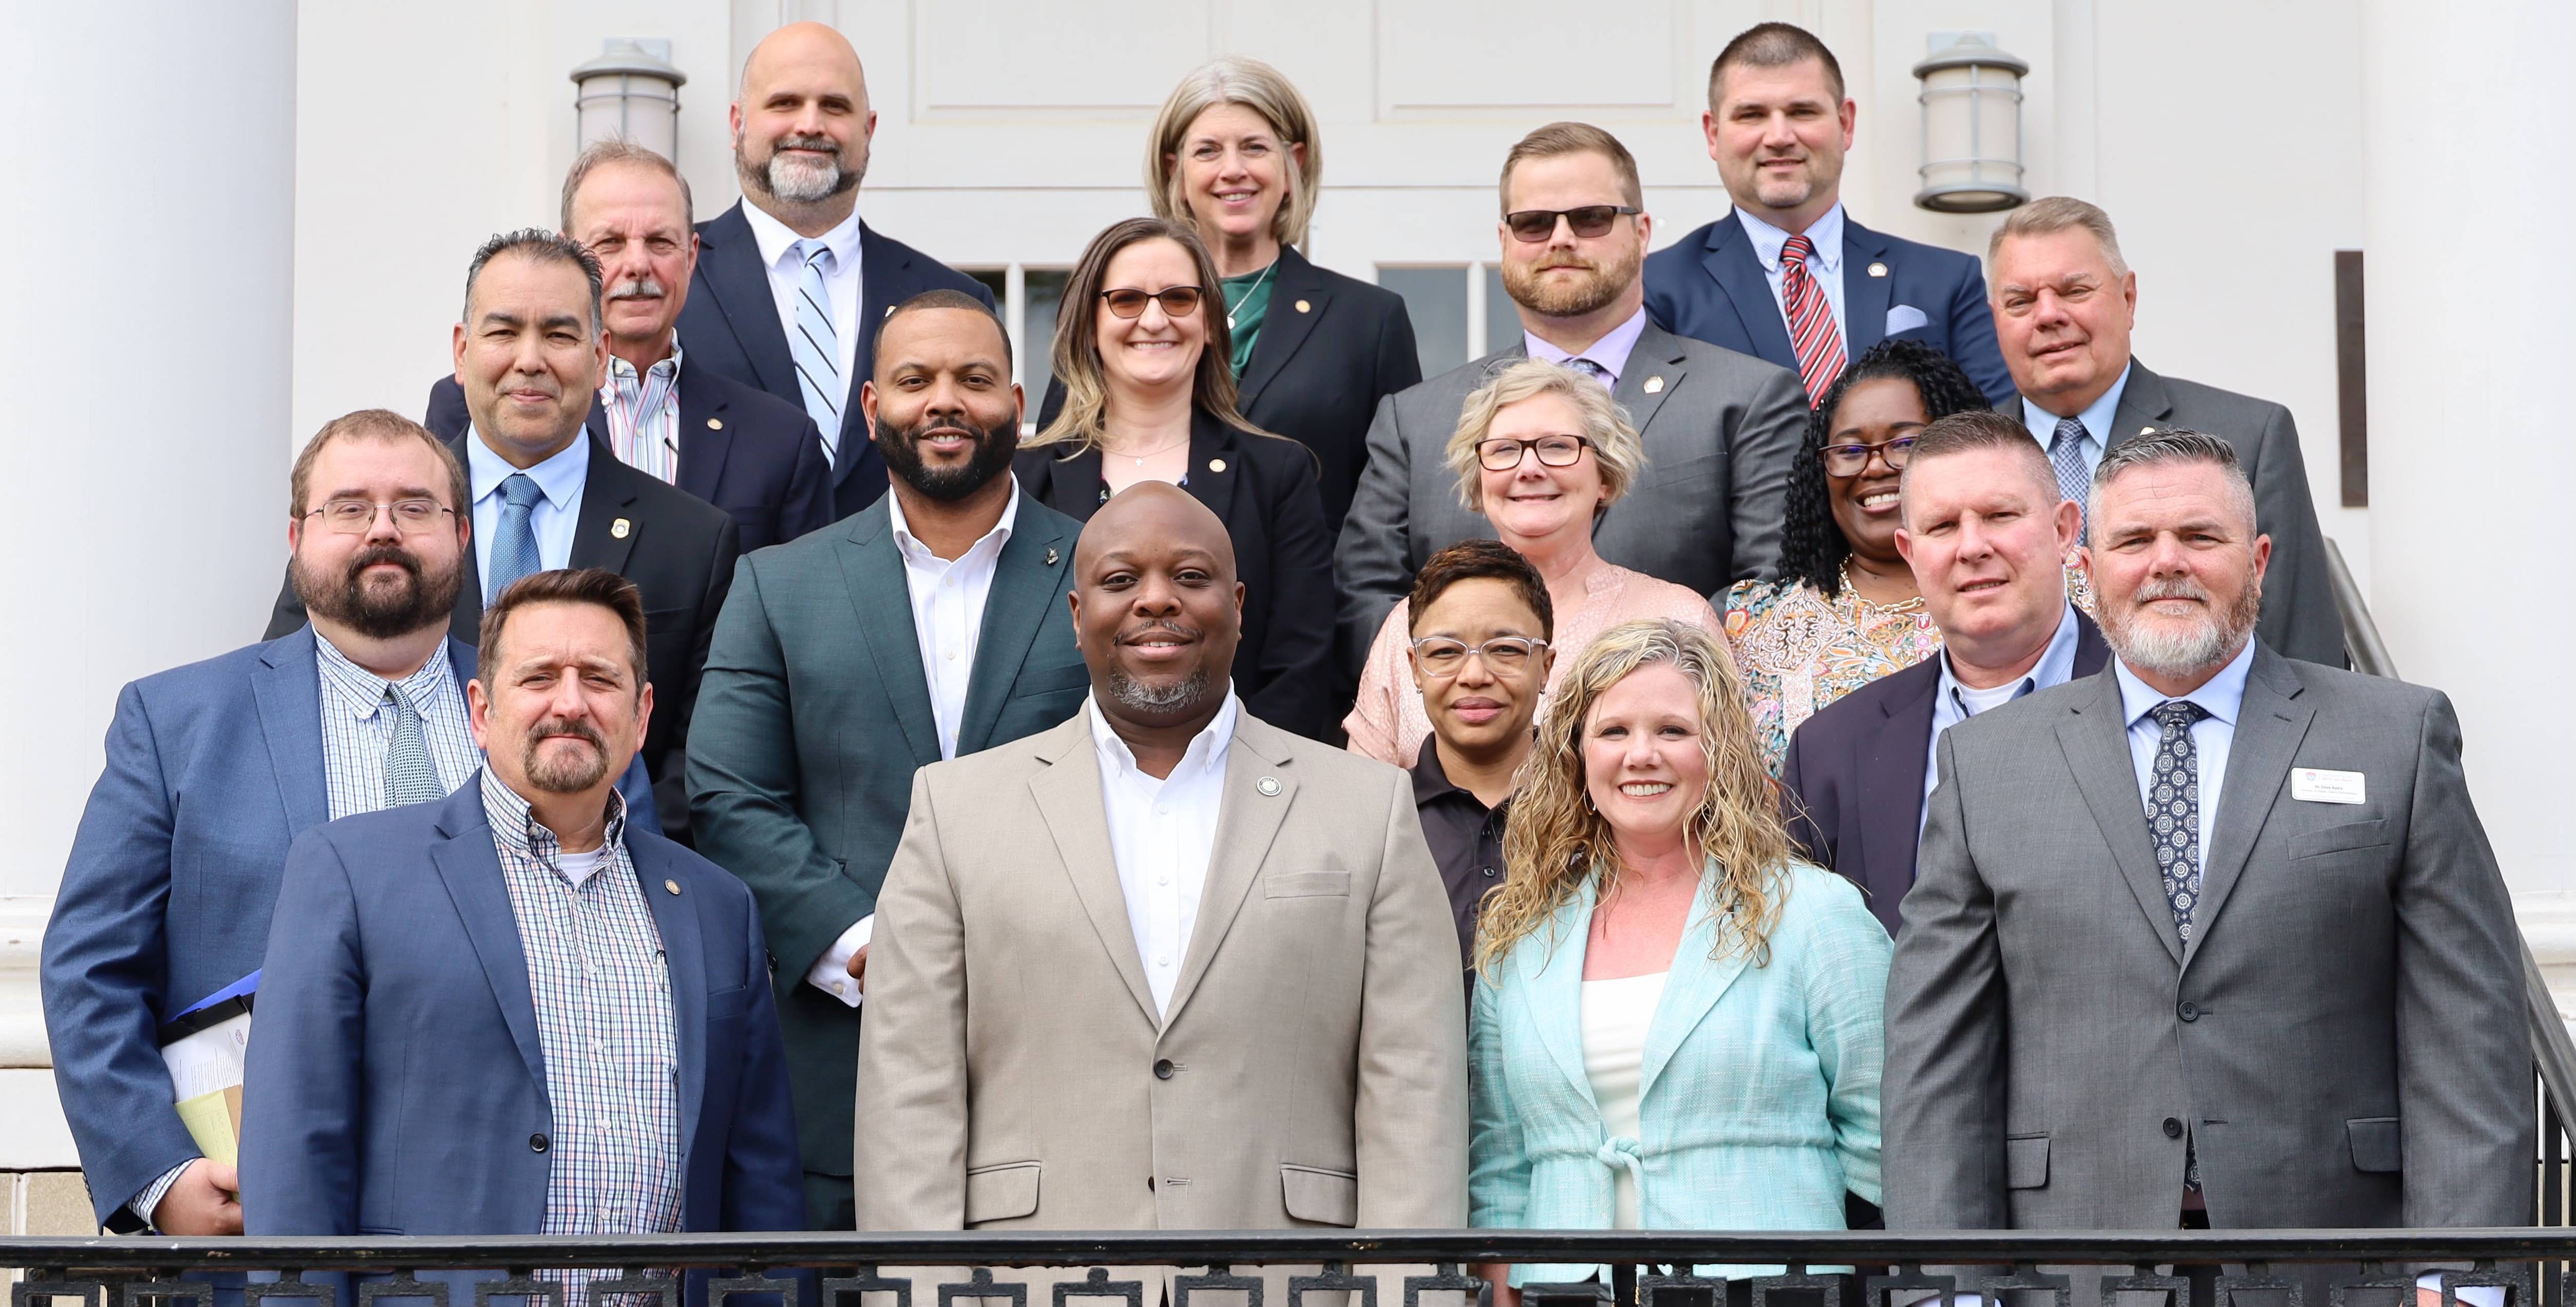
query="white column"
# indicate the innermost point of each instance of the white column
(146, 276)
(2470, 138)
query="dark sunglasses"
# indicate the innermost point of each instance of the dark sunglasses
(1129, 302)
(1535, 225)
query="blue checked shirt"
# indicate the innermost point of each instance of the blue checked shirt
(602, 990)
(357, 724)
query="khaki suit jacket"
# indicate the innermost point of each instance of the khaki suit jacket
(1310, 1071)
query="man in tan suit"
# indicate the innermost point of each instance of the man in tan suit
(1214, 980)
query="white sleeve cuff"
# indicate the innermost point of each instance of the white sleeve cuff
(143, 1204)
(831, 972)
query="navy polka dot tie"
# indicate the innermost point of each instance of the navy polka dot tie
(2173, 810)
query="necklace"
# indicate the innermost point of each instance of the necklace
(1140, 458)
(1248, 293)
(1913, 605)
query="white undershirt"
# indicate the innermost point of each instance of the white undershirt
(1162, 833)
(580, 867)
(1616, 1014)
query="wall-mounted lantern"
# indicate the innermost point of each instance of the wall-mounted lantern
(633, 93)
(1971, 126)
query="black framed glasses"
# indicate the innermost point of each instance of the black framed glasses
(1852, 460)
(1177, 301)
(1503, 453)
(1535, 225)
(1505, 655)
(353, 517)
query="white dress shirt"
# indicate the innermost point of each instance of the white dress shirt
(2096, 418)
(552, 519)
(1825, 265)
(840, 281)
(1162, 833)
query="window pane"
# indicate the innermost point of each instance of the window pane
(1436, 299)
(1502, 317)
(1043, 289)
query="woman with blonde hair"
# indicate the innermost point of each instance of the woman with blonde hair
(1676, 1023)
(1234, 157)
(1540, 450)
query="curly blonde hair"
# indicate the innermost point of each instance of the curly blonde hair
(1556, 841)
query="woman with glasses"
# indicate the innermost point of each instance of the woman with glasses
(1538, 452)
(1844, 611)
(1140, 347)
(1676, 1023)
(1234, 157)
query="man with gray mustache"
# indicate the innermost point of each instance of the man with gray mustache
(2212, 938)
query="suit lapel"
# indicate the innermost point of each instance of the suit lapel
(1657, 358)
(1068, 799)
(1212, 441)
(882, 603)
(607, 499)
(684, 962)
(1865, 298)
(730, 272)
(885, 280)
(1247, 821)
(1729, 260)
(1027, 579)
(2270, 725)
(1296, 284)
(705, 440)
(2095, 738)
(288, 689)
(471, 870)
(1693, 986)
(2143, 404)
(1891, 824)
(1551, 967)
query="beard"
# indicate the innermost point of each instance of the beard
(378, 612)
(795, 180)
(1596, 289)
(1166, 700)
(557, 775)
(901, 448)
(2176, 649)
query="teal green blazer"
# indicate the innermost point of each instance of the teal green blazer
(1758, 1102)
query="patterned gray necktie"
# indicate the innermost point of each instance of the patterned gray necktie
(1590, 369)
(2066, 451)
(2173, 819)
(410, 776)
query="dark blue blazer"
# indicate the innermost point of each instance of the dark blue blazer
(1709, 286)
(741, 449)
(397, 1084)
(730, 323)
(1852, 782)
(212, 770)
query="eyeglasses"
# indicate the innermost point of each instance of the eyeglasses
(1129, 302)
(1503, 453)
(1504, 655)
(351, 517)
(1852, 460)
(1535, 225)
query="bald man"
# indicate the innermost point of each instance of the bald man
(1173, 918)
(791, 287)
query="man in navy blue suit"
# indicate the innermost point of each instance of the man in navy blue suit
(791, 286)
(213, 768)
(606, 988)
(1789, 276)
(737, 447)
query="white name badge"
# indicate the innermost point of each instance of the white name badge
(2317, 786)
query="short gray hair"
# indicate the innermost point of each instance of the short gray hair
(2166, 448)
(537, 245)
(2056, 213)
(619, 150)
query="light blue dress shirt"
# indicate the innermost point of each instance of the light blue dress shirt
(2221, 696)
(1611, 351)
(552, 520)
(1825, 265)
(2056, 666)
(2096, 418)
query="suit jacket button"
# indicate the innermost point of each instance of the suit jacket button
(536, 1143)
(2173, 1128)
(2189, 1011)
(1163, 1069)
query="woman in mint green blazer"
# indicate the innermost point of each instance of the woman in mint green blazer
(1676, 1023)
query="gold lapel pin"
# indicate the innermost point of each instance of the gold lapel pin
(2146, 431)
(1050, 556)
(1304, 307)
(1268, 785)
(715, 424)
(1216, 465)
(890, 310)
(1654, 385)
(617, 530)
(671, 885)
(1878, 269)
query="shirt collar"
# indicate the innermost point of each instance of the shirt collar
(2221, 696)
(912, 548)
(2056, 665)
(559, 476)
(1611, 351)
(1825, 233)
(515, 825)
(774, 238)
(621, 370)
(362, 692)
(2096, 416)
(1207, 748)
(1431, 782)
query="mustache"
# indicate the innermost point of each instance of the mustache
(794, 141)
(376, 554)
(2170, 588)
(1136, 634)
(646, 287)
(575, 729)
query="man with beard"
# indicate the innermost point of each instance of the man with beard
(1250, 1015)
(737, 447)
(603, 984)
(791, 288)
(2211, 938)
(927, 626)
(1719, 427)
(213, 768)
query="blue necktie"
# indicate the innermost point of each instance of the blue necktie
(514, 545)
(2066, 451)
(816, 347)
(1590, 369)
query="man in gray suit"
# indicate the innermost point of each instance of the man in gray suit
(930, 624)
(1720, 427)
(2064, 304)
(2212, 937)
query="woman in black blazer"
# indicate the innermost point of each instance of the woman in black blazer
(1234, 158)
(1140, 345)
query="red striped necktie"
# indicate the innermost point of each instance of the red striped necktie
(1812, 332)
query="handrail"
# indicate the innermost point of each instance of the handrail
(2361, 641)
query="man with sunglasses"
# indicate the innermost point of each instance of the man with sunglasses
(1986, 532)
(1719, 427)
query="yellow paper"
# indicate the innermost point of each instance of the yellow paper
(210, 1120)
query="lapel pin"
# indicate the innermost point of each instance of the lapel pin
(1654, 385)
(1050, 556)
(1304, 307)
(617, 530)
(1216, 465)
(2146, 431)
(715, 424)
(1268, 785)
(671, 885)
(1878, 269)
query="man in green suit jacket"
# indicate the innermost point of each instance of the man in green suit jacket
(931, 624)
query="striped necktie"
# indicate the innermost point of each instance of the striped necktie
(2066, 453)
(816, 347)
(410, 776)
(1812, 331)
(514, 545)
